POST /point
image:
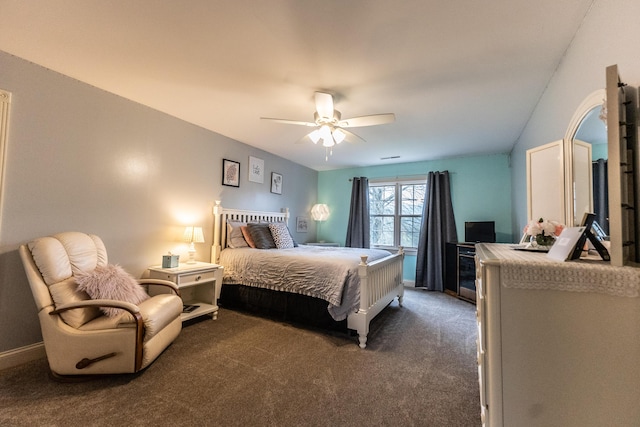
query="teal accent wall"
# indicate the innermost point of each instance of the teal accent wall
(599, 151)
(480, 191)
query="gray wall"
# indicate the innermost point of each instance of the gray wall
(79, 158)
(609, 35)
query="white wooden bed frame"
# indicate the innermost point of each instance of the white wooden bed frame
(380, 281)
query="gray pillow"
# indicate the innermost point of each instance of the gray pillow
(261, 235)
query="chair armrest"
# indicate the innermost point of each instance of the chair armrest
(161, 282)
(131, 308)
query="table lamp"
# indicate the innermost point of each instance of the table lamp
(193, 235)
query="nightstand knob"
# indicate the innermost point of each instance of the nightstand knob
(198, 278)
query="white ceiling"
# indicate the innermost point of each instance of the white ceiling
(462, 76)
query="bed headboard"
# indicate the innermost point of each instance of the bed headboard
(222, 215)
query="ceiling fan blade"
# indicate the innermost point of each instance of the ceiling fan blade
(372, 120)
(289, 122)
(352, 137)
(324, 105)
(304, 140)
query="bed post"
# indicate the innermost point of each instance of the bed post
(401, 286)
(286, 215)
(215, 248)
(361, 321)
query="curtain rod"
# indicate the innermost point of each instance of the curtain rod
(406, 177)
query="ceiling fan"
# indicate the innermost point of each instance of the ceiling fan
(330, 127)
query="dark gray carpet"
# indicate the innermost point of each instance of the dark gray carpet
(419, 369)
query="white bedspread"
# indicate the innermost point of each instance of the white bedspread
(327, 273)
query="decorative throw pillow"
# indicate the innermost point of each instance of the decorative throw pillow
(281, 235)
(235, 239)
(111, 282)
(247, 236)
(261, 235)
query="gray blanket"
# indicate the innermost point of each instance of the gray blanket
(327, 273)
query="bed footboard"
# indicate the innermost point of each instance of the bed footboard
(380, 282)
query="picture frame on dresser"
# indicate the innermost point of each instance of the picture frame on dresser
(230, 173)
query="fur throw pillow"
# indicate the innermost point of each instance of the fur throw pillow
(111, 282)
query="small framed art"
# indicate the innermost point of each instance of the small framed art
(276, 183)
(302, 224)
(230, 173)
(256, 170)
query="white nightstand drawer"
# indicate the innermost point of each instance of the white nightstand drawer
(195, 278)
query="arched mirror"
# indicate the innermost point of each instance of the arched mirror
(586, 154)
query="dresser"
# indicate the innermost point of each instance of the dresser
(558, 342)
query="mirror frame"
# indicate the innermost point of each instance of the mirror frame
(5, 105)
(593, 100)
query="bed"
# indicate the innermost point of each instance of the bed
(368, 280)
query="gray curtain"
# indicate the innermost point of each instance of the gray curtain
(600, 196)
(438, 228)
(358, 227)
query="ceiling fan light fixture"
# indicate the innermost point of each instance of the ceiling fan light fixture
(315, 136)
(328, 142)
(338, 135)
(325, 132)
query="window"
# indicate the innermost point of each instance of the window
(395, 212)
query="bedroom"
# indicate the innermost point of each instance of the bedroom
(71, 140)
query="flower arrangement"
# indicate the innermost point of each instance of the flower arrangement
(543, 232)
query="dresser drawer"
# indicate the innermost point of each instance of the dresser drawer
(481, 381)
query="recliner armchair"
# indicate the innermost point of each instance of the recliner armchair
(79, 338)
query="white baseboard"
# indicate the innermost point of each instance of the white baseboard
(19, 356)
(409, 283)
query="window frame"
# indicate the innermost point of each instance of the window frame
(397, 217)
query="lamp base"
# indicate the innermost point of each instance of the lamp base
(192, 255)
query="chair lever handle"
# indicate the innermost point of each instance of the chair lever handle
(88, 362)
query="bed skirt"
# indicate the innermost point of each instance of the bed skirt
(281, 306)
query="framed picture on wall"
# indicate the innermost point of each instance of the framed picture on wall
(256, 170)
(276, 183)
(302, 224)
(230, 173)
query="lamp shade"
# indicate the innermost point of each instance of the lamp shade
(193, 235)
(320, 212)
(339, 135)
(315, 136)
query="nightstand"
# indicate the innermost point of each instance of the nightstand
(199, 285)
